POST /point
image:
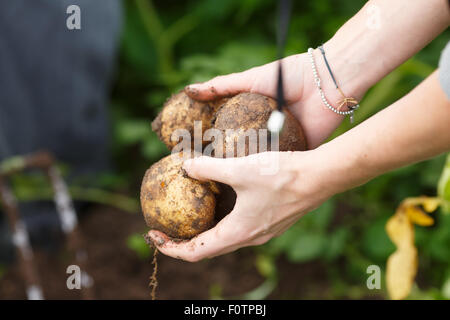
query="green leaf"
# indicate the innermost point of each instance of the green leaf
(431, 171)
(446, 288)
(232, 57)
(444, 186)
(266, 265)
(439, 244)
(321, 217)
(215, 291)
(307, 246)
(136, 242)
(262, 291)
(282, 243)
(137, 49)
(153, 148)
(336, 243)
(375, 242)
(132, 131)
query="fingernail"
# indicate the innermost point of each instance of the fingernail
(194, 86)
(156, 239)
(160, 241)
(192, 89)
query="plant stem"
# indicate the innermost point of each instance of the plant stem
(84, 194)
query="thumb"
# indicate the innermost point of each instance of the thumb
(217, 169)
(222, 86)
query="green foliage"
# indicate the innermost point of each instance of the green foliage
(138, 131)
(169, 44)
(310, 238)
(444, 186)
(375, 242)
(215, 291)
(136, 242)
(34, 186)
(265, 264)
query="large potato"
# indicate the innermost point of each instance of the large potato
(180, 112)
(252, 111)
(174, 203)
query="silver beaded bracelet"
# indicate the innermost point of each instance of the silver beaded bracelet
(322, 94)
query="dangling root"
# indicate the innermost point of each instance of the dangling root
(153, 281)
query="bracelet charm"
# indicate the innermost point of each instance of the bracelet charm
(349, 102)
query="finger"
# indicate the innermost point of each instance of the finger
(257, 80)
(223, 85)
(158, 238)
(217, 169)
(207, 244)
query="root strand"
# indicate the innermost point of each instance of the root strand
(153, 281)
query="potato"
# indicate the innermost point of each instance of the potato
(252, 111)
(174, 203)
(180, 112)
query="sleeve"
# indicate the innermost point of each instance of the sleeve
(444, 70)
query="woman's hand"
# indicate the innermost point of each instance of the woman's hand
(275, 191)
(301, 92)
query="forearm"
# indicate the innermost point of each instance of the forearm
(414, 128)
(381, 36)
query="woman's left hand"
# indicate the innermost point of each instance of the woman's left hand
(274, 189)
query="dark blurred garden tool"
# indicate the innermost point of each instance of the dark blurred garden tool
(67, 216)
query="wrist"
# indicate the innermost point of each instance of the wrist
(318, 176)
(321, 121)
(351, 74)
(343, 166)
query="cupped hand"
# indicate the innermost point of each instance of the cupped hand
(300, 90)
(274, 189)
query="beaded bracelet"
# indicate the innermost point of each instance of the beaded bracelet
(350, 103)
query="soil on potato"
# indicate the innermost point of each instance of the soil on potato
(120, 274)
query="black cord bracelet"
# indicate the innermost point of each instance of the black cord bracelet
(349, 102)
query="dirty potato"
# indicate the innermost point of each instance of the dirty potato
(174, 203)
(252, 111)
(180, 112)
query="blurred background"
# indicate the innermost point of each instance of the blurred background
(88, 96)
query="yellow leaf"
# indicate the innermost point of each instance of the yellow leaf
(400, 230)
(417, 216)
(431, 204)
(401, 266)
(401, 270)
